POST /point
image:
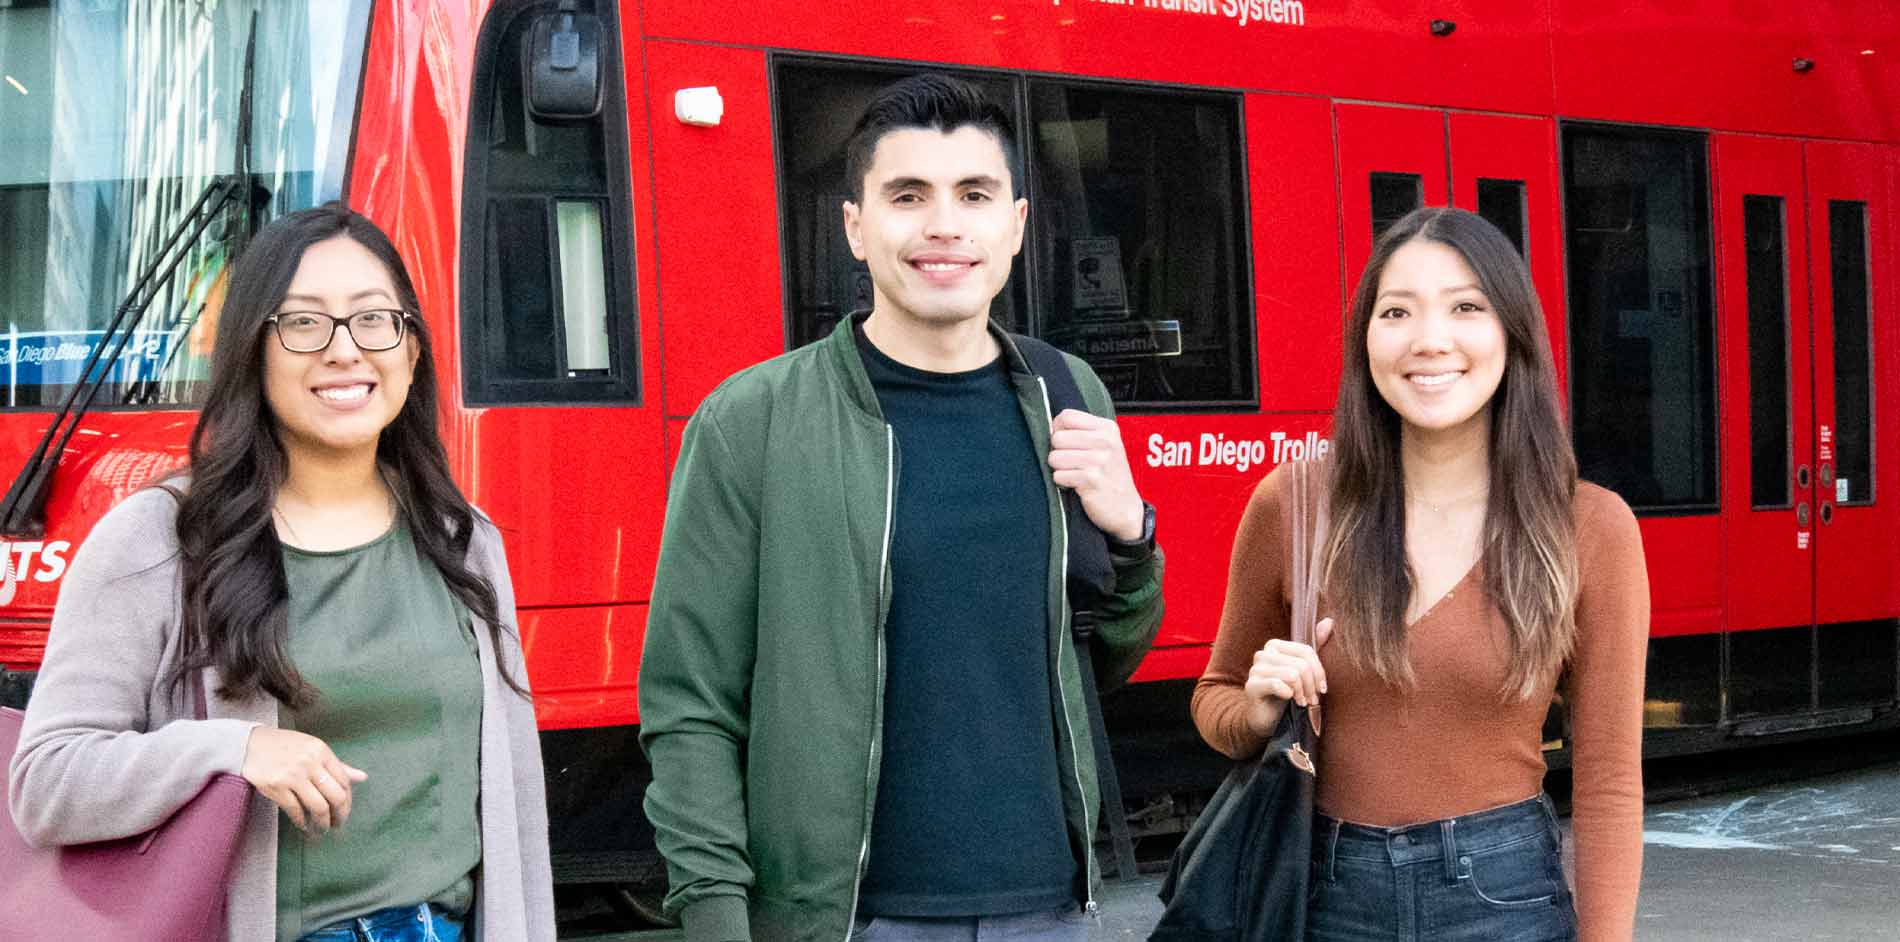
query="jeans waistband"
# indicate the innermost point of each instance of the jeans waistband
(1433, 841)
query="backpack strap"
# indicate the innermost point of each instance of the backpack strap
(1091, 574)
(1091, 578)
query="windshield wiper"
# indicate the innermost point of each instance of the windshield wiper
(23, 512)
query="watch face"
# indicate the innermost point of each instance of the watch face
(1147, 536)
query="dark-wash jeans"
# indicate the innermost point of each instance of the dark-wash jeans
(1482, 877)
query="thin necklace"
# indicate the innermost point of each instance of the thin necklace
(1438, 507)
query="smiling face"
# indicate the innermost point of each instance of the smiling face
(938, 226)
(338, 399)
(1435, 346)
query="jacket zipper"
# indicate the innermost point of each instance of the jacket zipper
(1075, 756)
(877, 720)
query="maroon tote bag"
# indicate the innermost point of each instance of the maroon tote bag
(166, 885)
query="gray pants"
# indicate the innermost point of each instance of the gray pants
(1065, 924)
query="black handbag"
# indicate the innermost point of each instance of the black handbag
(1242, 872)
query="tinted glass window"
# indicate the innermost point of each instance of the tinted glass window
(114, 117)
(1135, 259)
(1139, 236)
(817, 106)
(1502, 203)
(548, 242)
(1768, 421)
(1642, 351)
(1853, 360)
(1394, 195)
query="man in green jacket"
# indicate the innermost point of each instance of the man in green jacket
(858, 693)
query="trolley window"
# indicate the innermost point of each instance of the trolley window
(1642, 325)
(1502, 203)
(1393, 195)
(549, 310)
(114, 117)
(1853, 356)
(1140, 240)
(817, 105)
(1764, 230)
(1136, 259)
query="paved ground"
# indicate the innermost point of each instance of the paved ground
(1813, 860)
(1817, 859)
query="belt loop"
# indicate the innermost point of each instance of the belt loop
(1448, 848)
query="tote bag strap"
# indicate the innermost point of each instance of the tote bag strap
(1306, 527)
(1306, 531)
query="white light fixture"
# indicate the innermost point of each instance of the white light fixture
(16, 85)
(701, 107)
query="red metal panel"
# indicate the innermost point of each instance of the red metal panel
(1496, 59)
(111, 455)
(1297, 282)
(1199, 471)
(1858, 558)
(577, 491)
(1496, 147)
(1769, 557)
(1376, 139)
(1172, 663)
(584, 662)
(1854, 87)
(1684, 559)
(1724, 64)
(406, 164)
(717, 220)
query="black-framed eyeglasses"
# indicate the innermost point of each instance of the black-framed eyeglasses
(311, 331)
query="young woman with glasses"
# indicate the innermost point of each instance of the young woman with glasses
(1468, 577)
(348, 614)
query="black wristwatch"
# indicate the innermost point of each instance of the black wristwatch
(1139, 547)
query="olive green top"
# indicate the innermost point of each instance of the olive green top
(375, 629)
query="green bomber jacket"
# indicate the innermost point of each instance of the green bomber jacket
(762, 677)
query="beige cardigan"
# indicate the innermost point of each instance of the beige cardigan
(109, 749)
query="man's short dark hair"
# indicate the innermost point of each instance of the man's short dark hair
(934, 101)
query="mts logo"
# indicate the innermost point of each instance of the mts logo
(41, 561)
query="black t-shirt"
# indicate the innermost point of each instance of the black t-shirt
(969, 817)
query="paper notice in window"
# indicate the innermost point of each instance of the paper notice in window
(1098, 275)
(1842, 491)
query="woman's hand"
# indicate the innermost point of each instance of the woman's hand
(300, 774)
(1282, 671)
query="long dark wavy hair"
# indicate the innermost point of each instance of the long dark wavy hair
(1530, 548)
(235, 590)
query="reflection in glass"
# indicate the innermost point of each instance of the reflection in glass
(583, 284)
(817, 105)
(1769, 424)
(1853, 358)
(1139, 240)
(1642, 325)
(116, 117)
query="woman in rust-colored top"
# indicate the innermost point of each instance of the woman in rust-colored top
(1470, 576)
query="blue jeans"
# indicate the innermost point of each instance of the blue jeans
(1480, 877)
(1067, 923)
(396, 924)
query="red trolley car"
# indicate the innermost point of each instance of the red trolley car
(1705, 192)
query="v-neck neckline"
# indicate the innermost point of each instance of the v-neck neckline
(1446, 597)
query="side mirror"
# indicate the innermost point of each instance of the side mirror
(563, 65)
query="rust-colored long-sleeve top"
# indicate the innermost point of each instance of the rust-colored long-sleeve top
(1452, 743)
